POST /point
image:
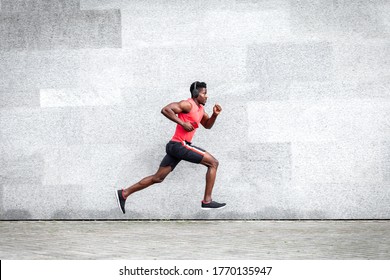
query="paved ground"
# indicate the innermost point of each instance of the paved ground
(195, 240)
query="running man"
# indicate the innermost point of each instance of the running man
(187, 114)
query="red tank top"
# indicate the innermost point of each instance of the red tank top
(194, 117)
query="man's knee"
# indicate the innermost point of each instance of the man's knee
(161, 174)
(157, 179)
(215, 163)
(210, 161)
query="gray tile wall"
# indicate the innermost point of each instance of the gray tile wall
(48, 25)
(304, 86)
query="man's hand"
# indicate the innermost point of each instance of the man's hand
(187, 126)
(207, 121)
(217, 109)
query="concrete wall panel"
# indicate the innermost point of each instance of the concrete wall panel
(58, 70)
(57, 25)
(304, 87)
(331, 120)
(337, 162)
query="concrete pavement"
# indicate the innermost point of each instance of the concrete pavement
(195, 239)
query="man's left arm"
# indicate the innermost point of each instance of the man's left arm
(207, 121)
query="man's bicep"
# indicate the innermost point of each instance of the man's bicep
(178, 107)
(174, 106)
(184, 106)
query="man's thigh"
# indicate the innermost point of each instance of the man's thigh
(186, 151)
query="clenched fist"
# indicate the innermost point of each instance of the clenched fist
(217, 109)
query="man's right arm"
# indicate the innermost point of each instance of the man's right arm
(171, 110)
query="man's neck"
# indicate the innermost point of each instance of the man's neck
(196, 101)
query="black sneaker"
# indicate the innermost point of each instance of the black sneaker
(121, 201)
(212, 205)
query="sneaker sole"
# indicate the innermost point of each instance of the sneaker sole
(118, 201)
(208, 209)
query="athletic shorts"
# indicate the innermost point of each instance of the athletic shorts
(177, 151)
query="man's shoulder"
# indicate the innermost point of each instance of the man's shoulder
(185, 105)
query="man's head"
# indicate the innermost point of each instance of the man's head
(199, 92)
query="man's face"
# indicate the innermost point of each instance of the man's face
(202, 98)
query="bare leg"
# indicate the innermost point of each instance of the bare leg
(212, 166)
(158, 177)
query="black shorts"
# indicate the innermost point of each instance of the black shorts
(177, 151)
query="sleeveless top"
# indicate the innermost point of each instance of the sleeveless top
(194, 117)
